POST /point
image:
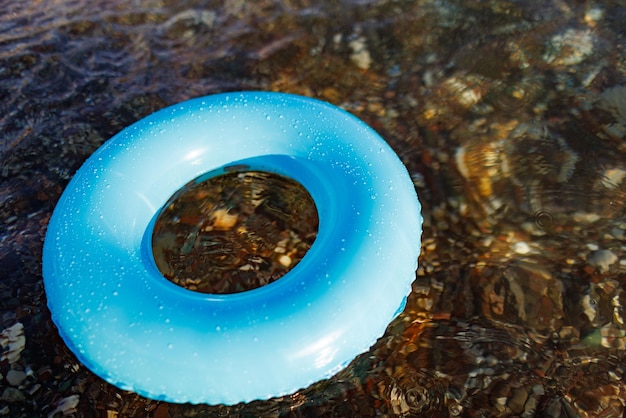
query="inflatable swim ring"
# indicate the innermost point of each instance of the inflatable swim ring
(140, 332)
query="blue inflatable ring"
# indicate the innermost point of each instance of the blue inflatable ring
(140, 332)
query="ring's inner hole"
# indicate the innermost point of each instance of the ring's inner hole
(234, 232)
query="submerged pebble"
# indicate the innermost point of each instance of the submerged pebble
(602, 259)
(15, 377)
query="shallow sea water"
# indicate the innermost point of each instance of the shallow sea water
(234, 232)
(509, 115)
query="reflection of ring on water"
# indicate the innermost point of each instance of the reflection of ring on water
(141, 332)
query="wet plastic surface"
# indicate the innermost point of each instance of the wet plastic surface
(120, 316)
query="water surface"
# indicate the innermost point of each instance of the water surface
(509, 115)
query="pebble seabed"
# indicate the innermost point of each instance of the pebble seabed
(510, 116)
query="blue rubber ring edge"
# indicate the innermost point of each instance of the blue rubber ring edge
(140, 332)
